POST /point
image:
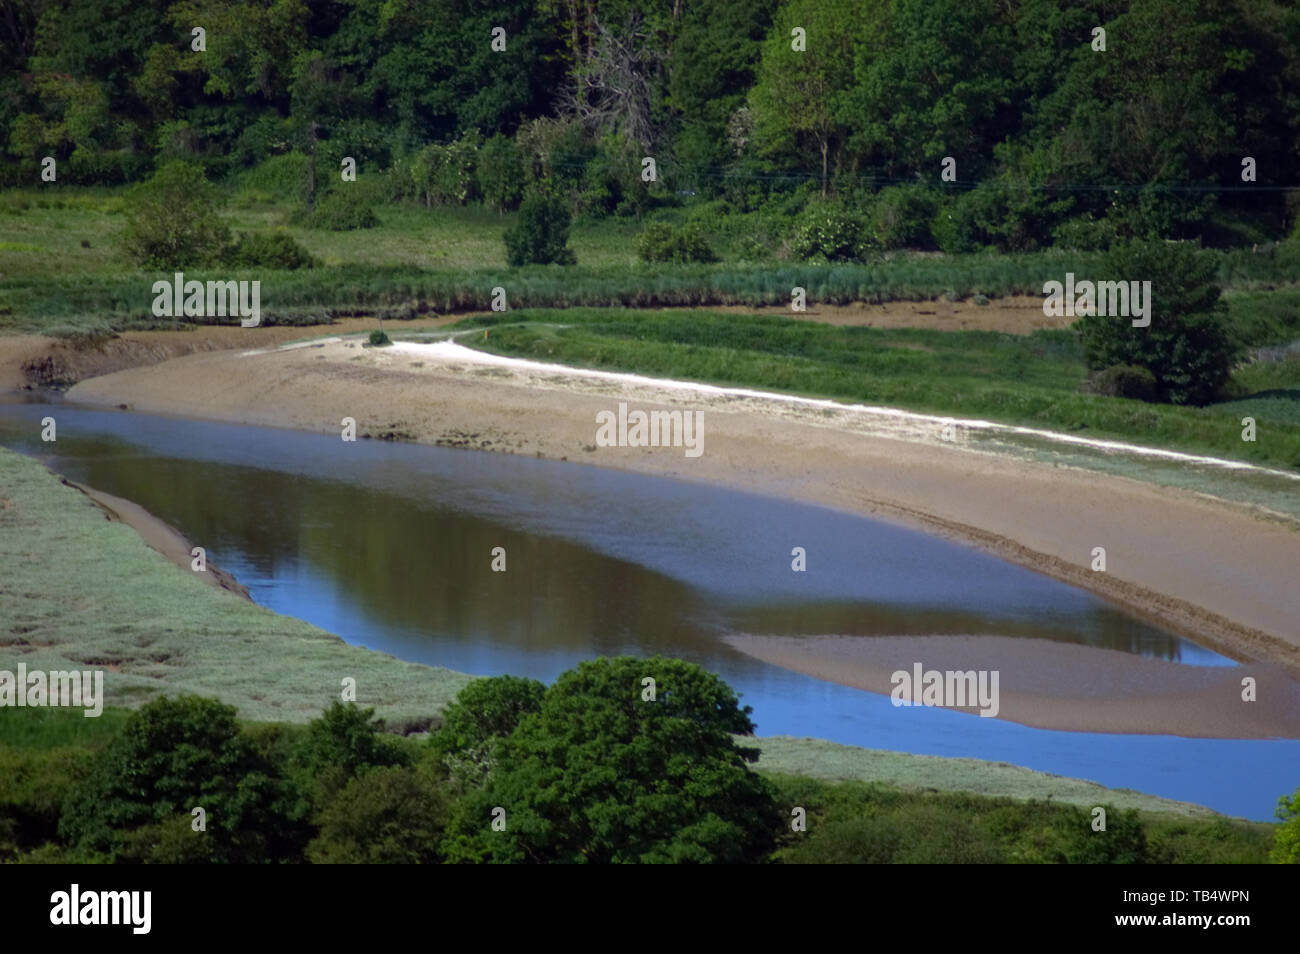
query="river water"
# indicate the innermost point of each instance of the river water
(390, 546)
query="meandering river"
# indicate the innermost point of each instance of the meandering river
(391, 547)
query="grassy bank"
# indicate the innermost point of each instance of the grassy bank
(1031, 380)
(78, 591)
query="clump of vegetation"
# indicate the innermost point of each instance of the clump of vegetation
(269, 250)
(1286, 846)
(1125, 381)
(1186, 346)
(174, 220)
(343, 210)
(661, 242)
(901, 216)
(600, 773)
(831, 233)
(541, 235)
(378, 338)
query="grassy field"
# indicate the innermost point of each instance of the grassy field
(1030, 380)
(451, 259)
(77, 591)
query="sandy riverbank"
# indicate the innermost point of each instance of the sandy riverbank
(1212, 571)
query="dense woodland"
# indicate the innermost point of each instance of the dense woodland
(1054, 140)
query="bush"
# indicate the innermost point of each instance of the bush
(660, 242)
(901, 216)
(542, 234)
(268, 250)
(174, 220)
(1186, 346)
(378, 339)
(341, 211)
(1125, 381)
(831, 233)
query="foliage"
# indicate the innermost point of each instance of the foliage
(389, 815)
(1125, 381)
(901, 217)
(484, 713)
(342, 210)
(269, 250)
(500, 172)
(378, 338)
(602, 774)
(661, 242)
(173, 755)
(1186, 346)
(1286, 847)
(831, 233)
(174, 220)
(542, 233)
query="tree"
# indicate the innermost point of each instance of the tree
(172, 756)
(483, 714)
(541, 235)
(500, 172)
(345, 740)
(1286, 847)
(603, 773)
(1186, 346)
(174, 221)
(384, 816)
(794, 98)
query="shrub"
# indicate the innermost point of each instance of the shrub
(269, 250)
(378, 339)
(1125, 381)
(343, 210)
(901, 217)
(831, 233)
(541, 235)
(174, 220)
(444, 175)
(1186, 346)
(660, 242)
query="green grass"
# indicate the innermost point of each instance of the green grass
(451, 258)
(80, 592)
(1029, 380)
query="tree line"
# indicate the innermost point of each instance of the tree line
(1097, 117)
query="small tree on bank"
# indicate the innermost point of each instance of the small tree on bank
(174, 220)
(1186, 346)
(542, 234)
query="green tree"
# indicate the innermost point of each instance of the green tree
(483, 714)
(500, 172)
(345, 740)
(541, 235)
(1186, 346)
(174, 755)
(601, 773)
(794, 98)
(392, 815)
(174, 220)
(1286, 848)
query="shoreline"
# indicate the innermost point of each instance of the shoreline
(1169, 550)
